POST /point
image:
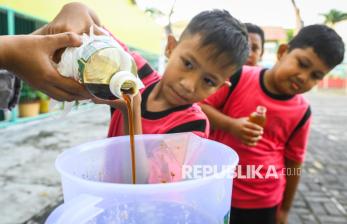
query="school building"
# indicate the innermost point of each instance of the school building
(138, 30)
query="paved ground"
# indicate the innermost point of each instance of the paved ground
(322, 196)
(29, 183)
(30, 186)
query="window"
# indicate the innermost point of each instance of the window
(25, 25)
(3, 22)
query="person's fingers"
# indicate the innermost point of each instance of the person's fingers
(99, 30)
(63, 40)
(59, 94)
(43, 30)
(68, 85)
(117, 104)
(253, 126)
(97, 100)
(251, 139)
(113, 103)
(250, 144)
(62, 28)
(252, 132)
(78, 91)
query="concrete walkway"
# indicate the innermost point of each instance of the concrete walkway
(30, 185)
(322, 196)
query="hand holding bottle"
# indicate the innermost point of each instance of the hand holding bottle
(102, 66)
(30, 58)
(258, 119)
(247, 132)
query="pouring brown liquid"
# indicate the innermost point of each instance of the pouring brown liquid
(127, 97)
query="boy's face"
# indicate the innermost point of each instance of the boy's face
(297, 71)
(255, 49)
(190, 75)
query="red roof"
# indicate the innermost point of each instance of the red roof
(274, 33)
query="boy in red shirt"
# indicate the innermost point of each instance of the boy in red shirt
(212, 47)
(280, 146)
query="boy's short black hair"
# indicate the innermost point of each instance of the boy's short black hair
(252, 28)
(226, 34)
(326, 43)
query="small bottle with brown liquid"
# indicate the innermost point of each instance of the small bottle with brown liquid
(259, 116)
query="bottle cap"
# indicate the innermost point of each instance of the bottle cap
(124, 81)
(261, 109)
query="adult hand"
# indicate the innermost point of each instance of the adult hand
(120, 104)
(30, 58)
(73, 17)
(248, 132)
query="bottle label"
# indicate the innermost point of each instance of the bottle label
(94, 46)
(99, 61)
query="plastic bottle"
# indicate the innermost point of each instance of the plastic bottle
(103, 66)
(259, 116)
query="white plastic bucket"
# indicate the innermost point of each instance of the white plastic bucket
(96, 181)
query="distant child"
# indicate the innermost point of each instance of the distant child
(256, 41)
(278, 148)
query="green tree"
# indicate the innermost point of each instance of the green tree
(290, 34)
(334, 16)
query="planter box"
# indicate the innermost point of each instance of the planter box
(29, 109)
(44, 106)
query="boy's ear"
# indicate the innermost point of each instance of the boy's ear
(227, 83)
(171, 44)
(282, 49)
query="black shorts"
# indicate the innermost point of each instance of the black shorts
(253, 216)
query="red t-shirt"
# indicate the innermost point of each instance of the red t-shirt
(185, 118)
(285, 136)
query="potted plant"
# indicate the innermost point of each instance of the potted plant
(44, 102)
(29, 103)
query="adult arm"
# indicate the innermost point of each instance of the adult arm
(30, 58)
